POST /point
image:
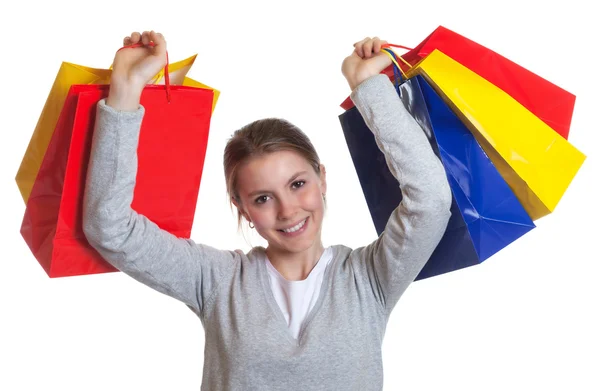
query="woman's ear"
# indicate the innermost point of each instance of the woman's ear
(240, 209)
(323, 179)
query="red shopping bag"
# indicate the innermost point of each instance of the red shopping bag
(171, 151)
(545, 100)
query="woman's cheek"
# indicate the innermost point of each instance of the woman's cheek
(312, 199)
(261, 216)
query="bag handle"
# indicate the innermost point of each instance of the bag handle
(393, 56)
(398, 72)
(165, 70)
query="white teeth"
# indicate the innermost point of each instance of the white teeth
(296, 227)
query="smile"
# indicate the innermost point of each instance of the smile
(296, 228)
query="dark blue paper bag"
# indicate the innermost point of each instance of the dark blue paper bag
(486, 215)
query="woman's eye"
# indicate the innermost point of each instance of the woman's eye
(298, 184)
(262, 199)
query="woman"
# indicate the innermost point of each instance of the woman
(295, 315)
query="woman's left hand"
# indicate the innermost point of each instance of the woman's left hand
(366, 60)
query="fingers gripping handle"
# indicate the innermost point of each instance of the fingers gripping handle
(166, 69)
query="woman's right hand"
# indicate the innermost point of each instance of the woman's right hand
(133, 68)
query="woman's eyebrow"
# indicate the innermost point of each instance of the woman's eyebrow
(296, 175)
(292, 179)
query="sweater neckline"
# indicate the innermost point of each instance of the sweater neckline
(270, 298)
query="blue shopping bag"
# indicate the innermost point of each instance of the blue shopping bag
(486, 215)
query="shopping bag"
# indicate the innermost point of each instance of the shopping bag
(536, 162)
(70, 74)
(171, 151)
(485, 214)
(549, 102)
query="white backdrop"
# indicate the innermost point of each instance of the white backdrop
(526, 319)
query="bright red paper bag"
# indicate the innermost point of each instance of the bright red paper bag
(545, 100)
(171, 151)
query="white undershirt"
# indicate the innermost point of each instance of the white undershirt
(297, 298)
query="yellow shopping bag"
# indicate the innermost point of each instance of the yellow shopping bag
(68, 75)
(536, 162)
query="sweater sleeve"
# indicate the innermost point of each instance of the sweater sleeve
(416, 226)
(177, 267)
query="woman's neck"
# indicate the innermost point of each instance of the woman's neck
(295, 266)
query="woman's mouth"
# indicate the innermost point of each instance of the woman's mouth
(296, 229)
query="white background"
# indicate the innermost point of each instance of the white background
(526, 319)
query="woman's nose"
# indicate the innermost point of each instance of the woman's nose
(287, 208)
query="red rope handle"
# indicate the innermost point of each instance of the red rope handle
(167, 78)
(388, 45)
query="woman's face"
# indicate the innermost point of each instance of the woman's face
(283, 196)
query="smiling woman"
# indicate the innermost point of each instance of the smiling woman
(268, 314)
(279, 192)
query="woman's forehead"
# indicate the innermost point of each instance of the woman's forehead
(271, 170)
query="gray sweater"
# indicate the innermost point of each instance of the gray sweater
(248, 346)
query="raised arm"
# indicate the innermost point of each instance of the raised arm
(178, 267)
(416, 226)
